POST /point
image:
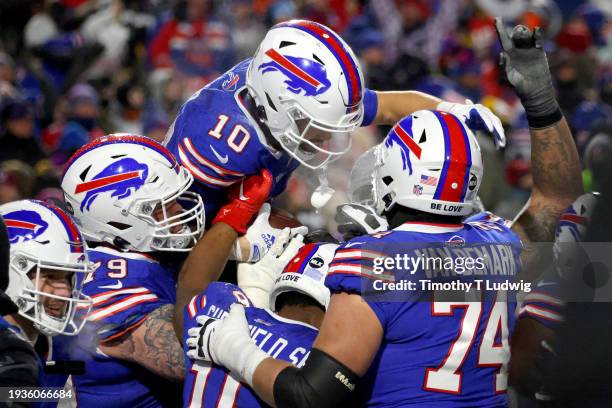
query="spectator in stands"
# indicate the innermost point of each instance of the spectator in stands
(82, 123)
(17, 139)
(194, 42)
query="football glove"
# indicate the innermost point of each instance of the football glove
(257, 279)
(525, 64)
(259, 237)
(245, 200)
(477, 117)
(226, 342)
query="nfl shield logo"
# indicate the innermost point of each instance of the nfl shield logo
(417, 189)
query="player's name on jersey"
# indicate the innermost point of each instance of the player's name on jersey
(267, 341)
(455, 285)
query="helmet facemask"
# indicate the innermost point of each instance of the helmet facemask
(176, 232)
(50, 313)
(312, 142)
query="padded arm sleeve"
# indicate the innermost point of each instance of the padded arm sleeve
(322, 382)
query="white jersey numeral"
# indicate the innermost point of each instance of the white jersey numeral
(216, 131)
(238, 137)
(447, 376)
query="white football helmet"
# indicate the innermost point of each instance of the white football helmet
(571, 229)
(310, 86)
(116, 184)
(306, 273)
(44, 238)
(429, 161)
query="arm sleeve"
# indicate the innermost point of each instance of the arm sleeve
(544, 305)
(370, 107)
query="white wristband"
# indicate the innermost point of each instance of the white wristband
(445, 106)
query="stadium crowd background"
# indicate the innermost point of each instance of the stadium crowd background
(73, 70)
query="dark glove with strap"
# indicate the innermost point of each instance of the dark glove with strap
(526, 66)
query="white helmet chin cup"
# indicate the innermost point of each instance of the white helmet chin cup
(124, 190)
(46, 242)
(429, 161)
(310, 85)
(306, 274)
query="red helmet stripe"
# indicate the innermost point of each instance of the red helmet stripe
(274, 55)
(105, 181)
(408, 141)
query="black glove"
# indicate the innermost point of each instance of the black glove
(524, 62)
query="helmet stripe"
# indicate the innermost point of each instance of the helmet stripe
(457, 160)
(407, 139)
(334, 44)
(71, 230)
(132, 139)
(275, 56)
(105, 181)
(302, 258)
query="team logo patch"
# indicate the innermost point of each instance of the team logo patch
(455, 241)
(304, 76)
(122, 178)
(24, 225)
(316, 262)
(417, 190)
(229, 84)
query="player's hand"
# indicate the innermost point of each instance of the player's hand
(355, 220)
(260, 236)
(524, 61)
(477, 117)
(245, 200)
(257, 279)
(226, 342)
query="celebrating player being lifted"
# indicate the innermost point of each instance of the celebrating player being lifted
(295, 102)
(423, 353)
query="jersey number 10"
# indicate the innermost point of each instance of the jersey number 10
(238, 137)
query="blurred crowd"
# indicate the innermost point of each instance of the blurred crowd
(73, 70)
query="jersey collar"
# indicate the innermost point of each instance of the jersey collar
(290, 321)
(428, 227)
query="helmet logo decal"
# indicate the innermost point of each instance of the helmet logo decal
(405, 142)
(24, 225)
(302, 74)
(122, 177)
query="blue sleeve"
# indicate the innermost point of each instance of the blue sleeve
(544, 304)
(370, 107)
(121, 305)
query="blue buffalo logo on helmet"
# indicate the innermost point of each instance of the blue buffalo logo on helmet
(24, 225)
(403, 139)
(122, 178)
(302, 74)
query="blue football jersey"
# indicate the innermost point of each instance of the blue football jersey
(212, 386)
(124, 288)
(436, 351)
(219, 142)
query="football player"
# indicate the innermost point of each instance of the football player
(48, 263)
(542, 309)
(423, 351)
(286, 330)
(129, 196)
(295, 102)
